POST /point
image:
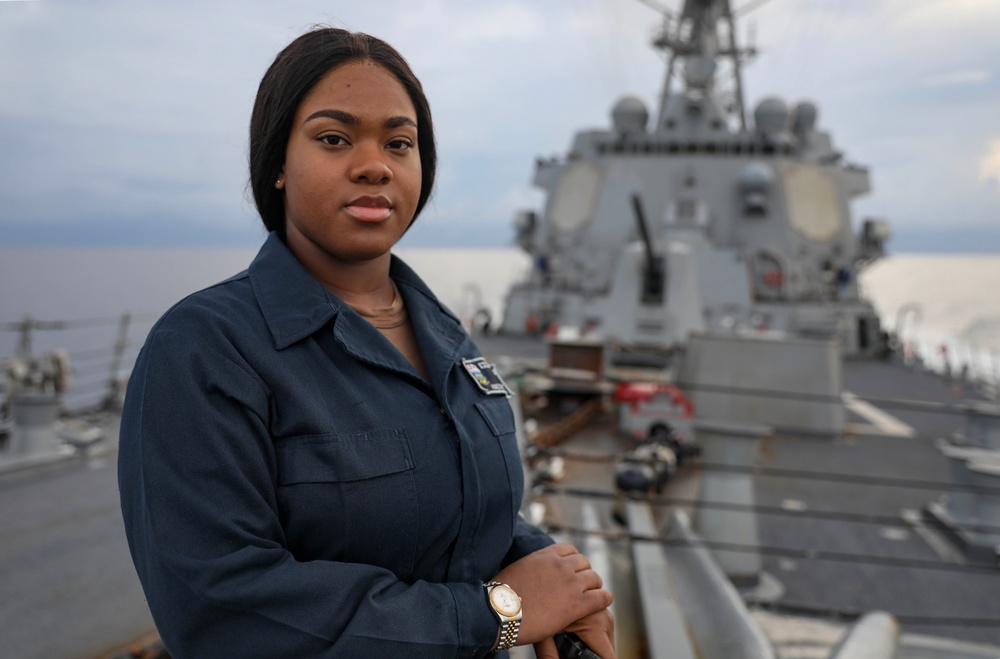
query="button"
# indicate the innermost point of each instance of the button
(444, 413)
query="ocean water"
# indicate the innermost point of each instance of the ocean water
(57, 283)
(955, 300)
(950, 307)
(91, 287)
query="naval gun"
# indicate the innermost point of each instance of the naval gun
(653, 274)
(749, 212)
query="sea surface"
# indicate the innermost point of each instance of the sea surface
(951, 300)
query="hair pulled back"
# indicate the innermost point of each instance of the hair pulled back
(290, 78)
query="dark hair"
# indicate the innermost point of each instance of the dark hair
(294, 73)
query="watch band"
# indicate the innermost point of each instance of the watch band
(510, 621)
(508, 635)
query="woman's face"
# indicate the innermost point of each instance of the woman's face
(352, 170)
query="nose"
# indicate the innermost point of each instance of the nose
(370, 165)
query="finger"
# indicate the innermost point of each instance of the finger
(565, 549)
(609, 621)
(598, 640)
(590, 579)
(546, 649)
(598, 599)
(578, 561)
(600, 643)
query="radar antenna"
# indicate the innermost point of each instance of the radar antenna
(703, 34)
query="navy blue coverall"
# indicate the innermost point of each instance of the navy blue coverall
(292, 487)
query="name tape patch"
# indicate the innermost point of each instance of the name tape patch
(485, 375)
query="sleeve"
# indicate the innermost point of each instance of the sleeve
(198, 490)
(527, 539)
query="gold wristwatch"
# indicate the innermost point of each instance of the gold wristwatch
(507, 605)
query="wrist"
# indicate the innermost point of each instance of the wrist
(507, 607)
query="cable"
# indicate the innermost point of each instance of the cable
(851, 615)
(91, 354)
(778, 394)
(885, 403)
(785, 552)
(828, 515)
(853, 479)
(31, 323)
(87, 386)
(777, 472)
(100, 368)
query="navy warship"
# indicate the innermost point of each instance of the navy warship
(717, 411)
(693, 218)
(709, 408)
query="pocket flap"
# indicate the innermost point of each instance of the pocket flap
(340, 458)
(498, 415)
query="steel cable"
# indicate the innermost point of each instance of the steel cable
(784, 552)
(833, 477)
(826, 515)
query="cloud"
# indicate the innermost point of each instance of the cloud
(958, 78)
(508, 22)
(139, 111)
(989, 165)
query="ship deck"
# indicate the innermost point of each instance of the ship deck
(840, 524)
(839, 521)
(69, 588)
(872, 548)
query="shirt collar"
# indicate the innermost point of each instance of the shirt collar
(295, 305)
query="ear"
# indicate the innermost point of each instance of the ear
(280, 182)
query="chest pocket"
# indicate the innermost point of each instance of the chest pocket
(499, 418)
(497, 414)
(350, 498)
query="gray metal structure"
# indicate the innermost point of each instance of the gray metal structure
(693, 218)
(722, 241)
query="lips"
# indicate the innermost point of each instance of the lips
(369, 208)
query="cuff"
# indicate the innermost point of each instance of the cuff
(477, 623)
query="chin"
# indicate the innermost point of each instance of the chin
(365, 252)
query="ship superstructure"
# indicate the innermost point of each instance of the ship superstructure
(690, 219)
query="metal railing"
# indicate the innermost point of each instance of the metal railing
(101, 353)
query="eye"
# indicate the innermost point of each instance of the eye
(332, 140)
(400, 144)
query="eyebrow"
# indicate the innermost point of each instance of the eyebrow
(348, 118)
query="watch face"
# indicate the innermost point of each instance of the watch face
(505, 600)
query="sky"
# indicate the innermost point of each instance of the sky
(125, 123)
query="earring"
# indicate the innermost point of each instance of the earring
(279, 184)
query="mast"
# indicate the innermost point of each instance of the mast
(693, 39)
(737, 70)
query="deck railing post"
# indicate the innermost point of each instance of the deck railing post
(24, 341)
(114, 379)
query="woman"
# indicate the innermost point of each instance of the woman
(314, 459)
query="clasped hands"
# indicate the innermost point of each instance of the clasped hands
(559, 591)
